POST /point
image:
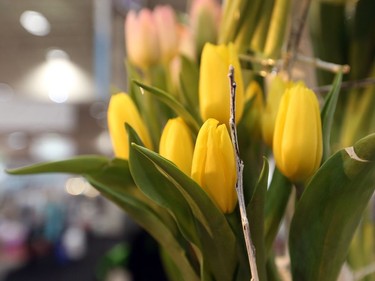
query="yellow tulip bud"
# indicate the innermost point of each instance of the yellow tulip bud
(121, 110)
(176, 144)
(253, 119)
(297, 142)
(214, 167)
(214, 88)
(275, 92)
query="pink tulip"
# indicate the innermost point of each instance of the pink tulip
(213, 7)
(141, 39)
(187, 44)
(167, 30)
(205, 16)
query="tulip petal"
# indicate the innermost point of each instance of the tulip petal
(213, 165)
(297, 143)
(214, 88)
(121, 110)
(176, 135)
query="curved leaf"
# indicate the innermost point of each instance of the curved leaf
(78, 165)
(162, 191)
(112, 178)
(162, 181)
(152, 218)
(277, 198)
(327, 114)
(115, 182)
(255, 211)
(189, 77)
(170, 101)
(329, 211)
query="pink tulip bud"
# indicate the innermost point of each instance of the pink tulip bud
(141, 39)
(167, 30)
(187, 43)
(205, 16)
(212, 7)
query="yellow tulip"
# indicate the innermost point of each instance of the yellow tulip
(297, 142)
(176, 144)
(214, 88)
(121, 110)
(275, 92)
(214, 167)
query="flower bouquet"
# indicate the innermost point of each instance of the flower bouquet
(212, 103)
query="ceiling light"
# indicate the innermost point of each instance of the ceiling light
(49, 146)
(35, 23)
(6, 92)
(55, 54)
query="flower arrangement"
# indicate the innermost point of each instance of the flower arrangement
(211, 101)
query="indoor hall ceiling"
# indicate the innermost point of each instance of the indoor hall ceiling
(22, 56)
(26, 117)
(21, 52)
(71, 30)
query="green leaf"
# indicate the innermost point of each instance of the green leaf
(133, 91)
(162, 191)
(78, 165)
(230, 25)
(279, 22)
(250, 19)
(146, 104)
(151, 221)
(154, 219)
(327, 114)
(329, 211)
(177, 107)
(255, 213)
(276, 201)
(189, 78)
(112, 178)
(162, 181)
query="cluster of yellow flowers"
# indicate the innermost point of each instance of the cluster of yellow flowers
(210, 162)
(289, 120)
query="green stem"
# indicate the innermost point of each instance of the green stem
(277, 29)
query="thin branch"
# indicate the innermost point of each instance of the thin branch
(316, 62)
(296, 35)
(352, 84)
(239, 183)
(329, 66)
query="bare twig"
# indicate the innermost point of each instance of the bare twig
(272, 64)
(295, 35)
(329, 66)
(239, 183)
(353, 84)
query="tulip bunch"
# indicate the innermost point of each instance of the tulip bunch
(211, 163)
(176, 169)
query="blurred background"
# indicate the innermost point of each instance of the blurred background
(58, 60)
